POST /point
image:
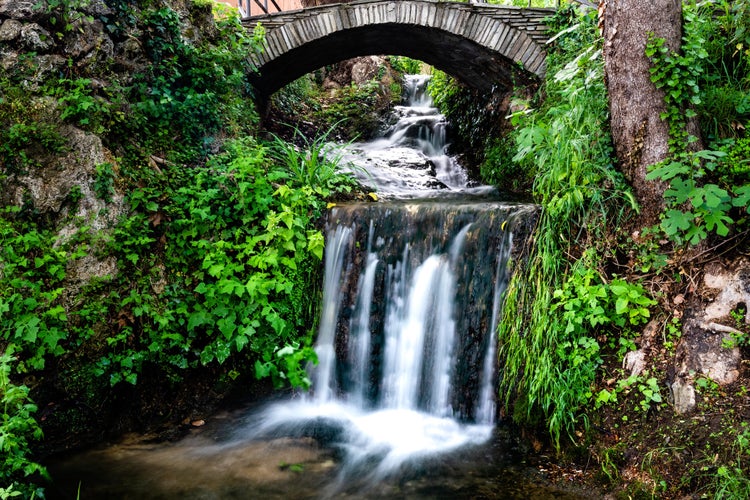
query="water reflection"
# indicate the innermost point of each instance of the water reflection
(213, 463)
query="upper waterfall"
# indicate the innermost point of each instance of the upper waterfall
(411, 160)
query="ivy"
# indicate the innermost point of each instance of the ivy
(18, 428)
(695, 207)
(31, 308)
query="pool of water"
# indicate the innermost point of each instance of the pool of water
(228, 459)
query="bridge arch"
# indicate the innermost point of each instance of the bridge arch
(480, 45)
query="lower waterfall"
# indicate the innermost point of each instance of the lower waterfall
(413, 287)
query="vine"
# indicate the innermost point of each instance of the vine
(696, 207)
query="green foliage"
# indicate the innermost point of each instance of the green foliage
(499, 169)
(678, 75)
(297, 98)
(217, 255)
(405, 65)
(189, 92)
(468, 111)
(696, 206)
(32, 315)
(724, 110)
(444, 91)
(586, 301)
(645, 388)
(81, 106)
(27, 131)
(63, 14)
(353, 108)
(104, 185)
(554, 311)
(316, 164)
(731, 481)
(17, 429)
(245, 226)
(650, 393)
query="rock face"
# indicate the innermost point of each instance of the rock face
(709, 336)
(41, 42)
(24, 10)
(359, 70)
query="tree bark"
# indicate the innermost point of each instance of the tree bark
(640, 136)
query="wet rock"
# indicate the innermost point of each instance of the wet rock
(683, 395)
(131, 50)
(88, 267)
(634, 362)
(46, 65)
(734, 290)
(49, 189)
(10, 30)
(359, 70)
(365, 69)
(202, 23)
(35, 38)
(708, 352)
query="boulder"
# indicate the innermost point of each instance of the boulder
(35, 38)
(23, 10)
(10, 30)
(708, 347)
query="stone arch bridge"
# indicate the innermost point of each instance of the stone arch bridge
(479, 44)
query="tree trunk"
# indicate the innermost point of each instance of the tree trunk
(640, 135)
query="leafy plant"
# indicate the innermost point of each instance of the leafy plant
(730, 481)
(104, 184)
(63, 14)
(405, 65)
(560, 300)
(696, 207)
(31, 313)
(249, 236)
(316, 164)
(17, 428)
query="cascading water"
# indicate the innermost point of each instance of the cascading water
(406, 348)
(411, 160)
(412, 293)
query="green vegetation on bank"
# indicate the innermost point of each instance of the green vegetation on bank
(211, 253)
(348, 111)
(563, 297)
(581, 300)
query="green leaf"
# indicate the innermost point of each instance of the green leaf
(216, 269)
(199, 318)
(681, 190)
(742, 197)
(621, 306)
(718, 220)
(715, 196)
(676, 221)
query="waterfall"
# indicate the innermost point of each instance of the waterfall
(411, 160)
(417, 315)
(413, 289)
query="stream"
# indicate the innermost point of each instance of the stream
(403, 400)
